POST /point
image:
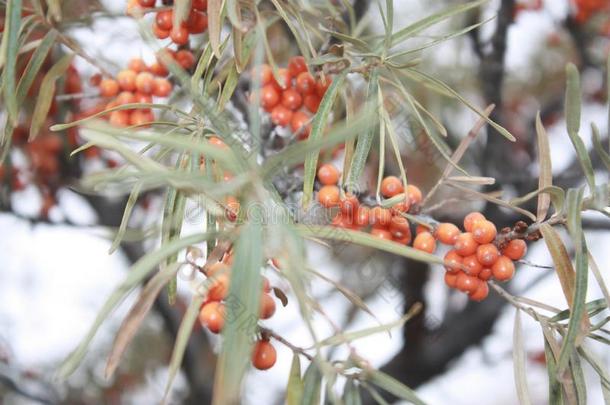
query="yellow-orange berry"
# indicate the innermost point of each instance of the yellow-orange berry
(212, 316)
(453, 261)
(109, 88)
(415, 195)
(487, 254)
(381, 233)
(466, 283)
(447, 233)
(390, 186)
(127, 79)
(484, 231)
(503, 269)
(328, 174)
(328, 196)
(220, 287)
(264, 355)
(485, 274)
(451, 279)
(470, 219)
(380, 216)
(349, 205)
(472, 265)
(145, 82)
(515, 249)
(161, 87)
(267, 306)
(465, 245)
(480, 293)
(425, 242)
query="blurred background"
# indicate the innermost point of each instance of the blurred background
(55, 270)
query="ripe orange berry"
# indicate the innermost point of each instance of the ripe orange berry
(119, 118)
(473, 267)
(125, 97)
(297, 65)
(414, 193)
(305, 83)
(402, 206)
(484, 232)
(466, 283)
(144, 82)
(161, 87)
(399, 224)
(146, 3)
(109, 88)
(300, 124)
(503, 269)
(158, 69)
(349, 205)
(328, 174)
(362, 216)
(425, 242)
(515, 249)
(465, 245)
(470, 219)
(340, 221)
(267, 306)
(285, 78)
(487, 254)
(141, 118)
(390, 186)
(137, 65)
(179, 35)
(159, 32)
(185, 58)
(216, 141)
(322, 86)
(485, 274)
(264, 74)
(142, 98)
(451, 279)
(266, 285)
(381, 233)
(447, 233)
(165, 19)
(197, 22)
(380, 216)
(421, 228)
(201, 5)
(270, 97)
(328, 196)
(291, 99)
(453, 261)
(312, 102)
(127, 80)
(212, 316)
(281, 115)
(480, 293)
(220, 287)
(264, 355)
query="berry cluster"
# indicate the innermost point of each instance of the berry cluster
(294, 100)
(138, 84)
(585, 9)
(213, 312)
(476, 256)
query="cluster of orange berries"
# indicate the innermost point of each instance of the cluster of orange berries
(213, 311)
(585, 9)
(475, 257)
(294, 100)
(138, 84)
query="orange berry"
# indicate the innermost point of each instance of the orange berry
(161, 87)
(312, 102)
(300, 124)
(420, 228)
(503, 269)
(119, 118)
(380, 216)
(285, 78)
(465, 245)
(515, 249)
(185, 58)
(264, 355)
(305, 83)
(328, 174)
(400, 207)
(349, 205)
(146, 3)
(127, 79)
(125, 97)
(197, 22)
(453, 261)
(159, 32)
(322, 86)
(232, 208)
(466, 283)
(141, 118)
(142, 98)
(399, 224)
(297, 65)
(328, 196)
(484, 231)
(264, 74)
(425, 242)
(270, 97)
(109, 88)
(144, 82)
(281, 115)
(414, 193)
(451, 279)
(137, 65)
(470, 219)
(291, 99)
(158, 69)
(472, 265)
(216, 141)
(212, 316)
(220, 287)
(480, 293)
(390, 186)
(340, 221)
(485, 274)
(362, 216)
(165, 19)
(447, 233)
(266, 285)
(267, 306)
(179, 35)
(381, 233)
(201, 5)
(487, 254)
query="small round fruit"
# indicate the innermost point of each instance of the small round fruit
(362, 216)
(425, 242)
(158, 69)
(147, 3)
(141, 118)
(127, 80)
(380, 216)
(480, 293)
(144, 82)
(267, 306)
(485, 274)
(161, 87)
(381, 233)
(201, 5)
(447, 233)
(328, 174)
(466, 283)
(125, 97)
(503, 269)
(198, 22)
(349, 205)
(291, 99)
(487, 254)
(515, 249)
(484, 231)
(281, 115)
(328, 196)
(270, 97)
(137, 65)
(453, 261)
(119, 118)
(264, 355)
(401, 207)
(220, 287)
(415, 195)
(165, 19)
(399, 224)
(179, 35)
(159, 32)
(109, 88)
(305, 83)
(285, 79)
(263, 73)
(185, 58)
(472, 265)
(391, 186)
(297, 65)
(300, 124)
(471, 219)
(266, 285)
(212, 316)
(322, 86)
(465, 245)
(312, 102)
(451, 279)
(142, 98)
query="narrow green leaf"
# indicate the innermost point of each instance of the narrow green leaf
(34, 64)
(545, 177)
(393, 386)
(556, 195)
(294, 390)
(593, 308)
(551, 365)
(131, 202)
(312, 385)
(215, 22)
(561, 261)
(228, 88)
(10, 47)
(519, 361)
(318, 127)
(599, 148)
(351, 393)
(46, 94)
